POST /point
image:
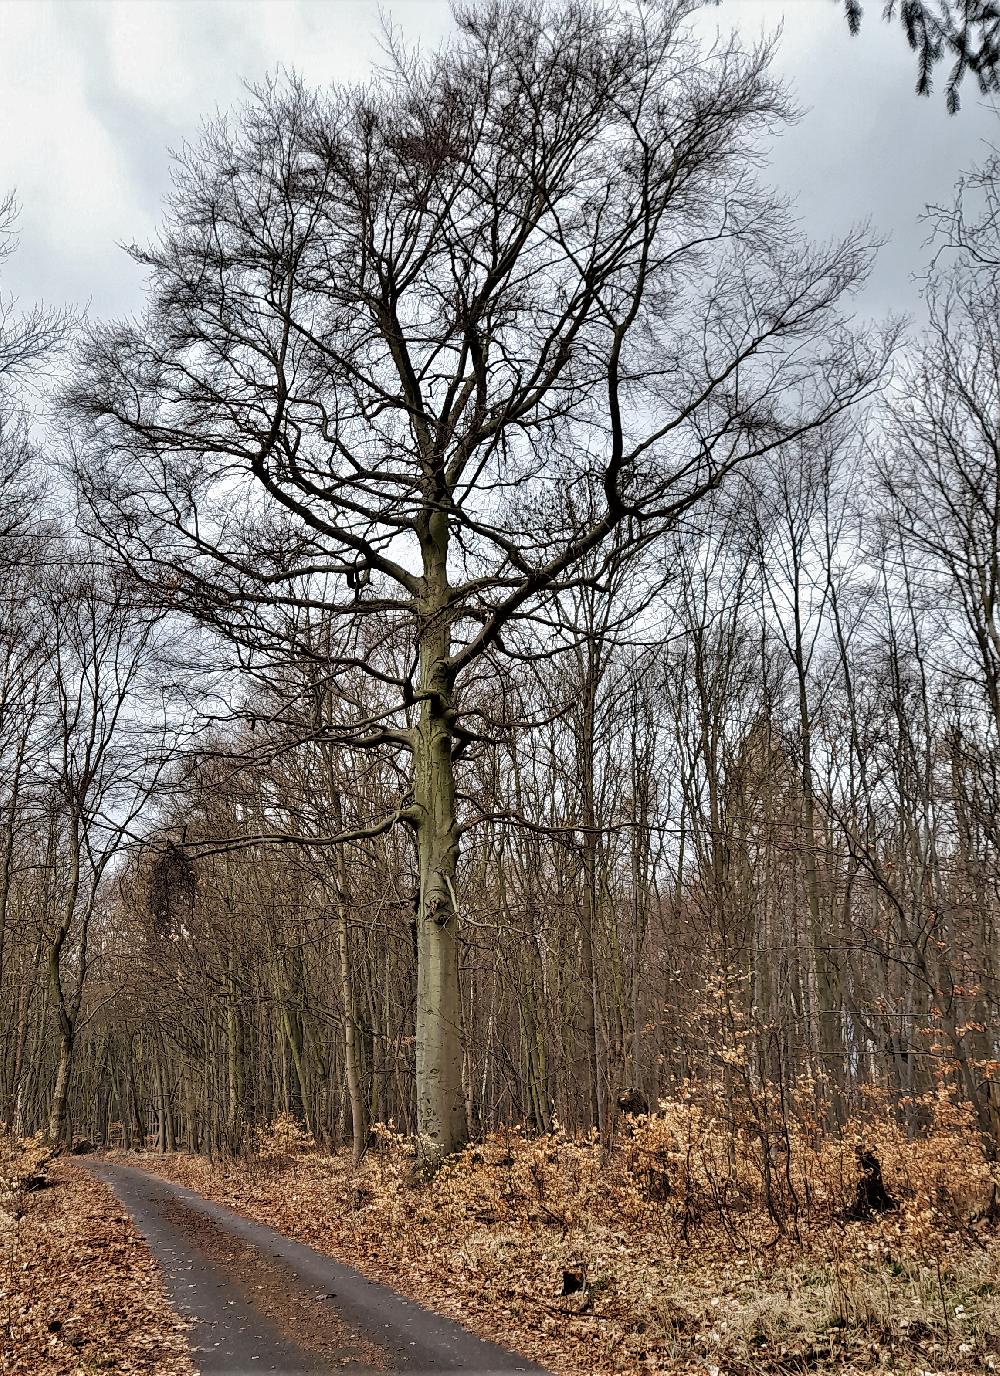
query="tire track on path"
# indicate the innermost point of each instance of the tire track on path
(258, 1302)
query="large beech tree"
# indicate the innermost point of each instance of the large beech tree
(420, 355)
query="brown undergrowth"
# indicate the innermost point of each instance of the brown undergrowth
(79, 1292)
(683, 1248)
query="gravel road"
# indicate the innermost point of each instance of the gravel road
(258, 1302)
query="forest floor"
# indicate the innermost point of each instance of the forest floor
(80, 1293)
(659, 1256)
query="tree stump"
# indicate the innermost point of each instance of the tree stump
(872, 1197)
(633, 1103)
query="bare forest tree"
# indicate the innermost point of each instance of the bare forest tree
(439, 349)
(104, 752)
(520, 657)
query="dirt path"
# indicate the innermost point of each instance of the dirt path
(258, 1302)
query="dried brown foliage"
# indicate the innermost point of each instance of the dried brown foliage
(683, 1266)
(79, 1292)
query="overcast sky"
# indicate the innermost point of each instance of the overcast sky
(93, 93)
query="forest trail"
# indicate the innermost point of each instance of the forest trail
(258, 1302)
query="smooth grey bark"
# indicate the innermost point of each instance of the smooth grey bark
(56, 1131)
(66, 1005)
(441, 1119)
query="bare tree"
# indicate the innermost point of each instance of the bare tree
(424, 349)
(941, 465)
(105, 753)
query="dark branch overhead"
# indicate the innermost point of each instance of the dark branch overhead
(964, 34)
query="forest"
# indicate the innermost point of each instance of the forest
(499, 650)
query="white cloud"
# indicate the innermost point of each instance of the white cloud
(92, 93)
(56, 152)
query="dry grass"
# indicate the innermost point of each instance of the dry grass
(682, 1266)
(79, 1291)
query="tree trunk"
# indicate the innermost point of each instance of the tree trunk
(66, 1022)
(823, 940)
(359, 1122)
(291, 1024)
(234, 1063)
(441, 1121)
(60, 1095)
(352, 1069)
(586, 766)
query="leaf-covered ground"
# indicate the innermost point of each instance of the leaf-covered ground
(672, 1258)
(80, 1294)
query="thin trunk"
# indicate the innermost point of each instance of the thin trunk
(60, 1095)
(233, 1061)
(359, 1124)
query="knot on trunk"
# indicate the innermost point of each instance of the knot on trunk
(439, 910)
